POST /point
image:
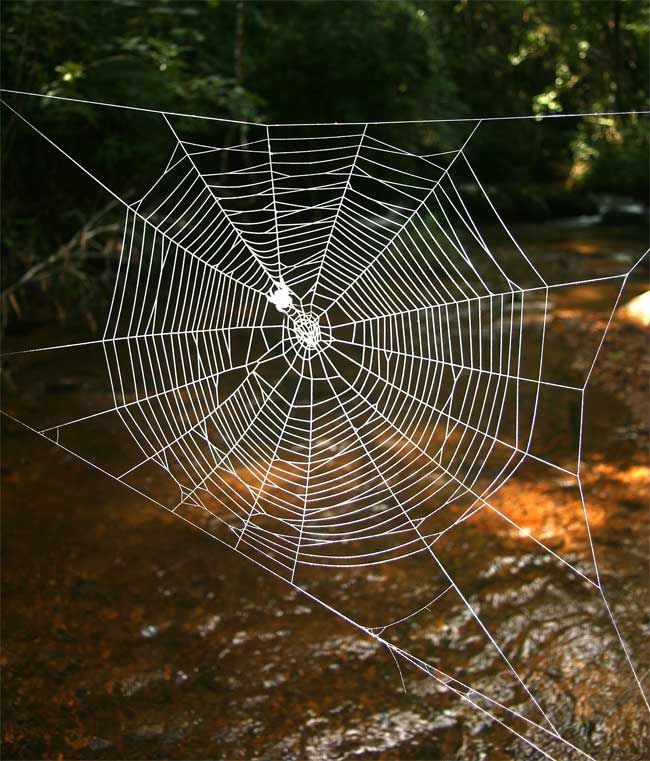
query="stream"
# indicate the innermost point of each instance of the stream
(128, 634)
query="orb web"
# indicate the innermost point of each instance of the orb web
(323, 352)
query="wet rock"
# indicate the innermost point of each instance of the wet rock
(636, 312)
(149, 732)
(99, 743)
(208, 625)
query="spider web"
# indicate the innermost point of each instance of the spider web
(322, 362)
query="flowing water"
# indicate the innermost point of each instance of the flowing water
(128, 634)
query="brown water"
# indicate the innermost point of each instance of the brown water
(128, 634)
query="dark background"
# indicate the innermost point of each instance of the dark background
(307, 61)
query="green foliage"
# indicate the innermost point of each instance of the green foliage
(313, 60)
(348, 61)
(613, 151)
(548, 57)
(338, 60)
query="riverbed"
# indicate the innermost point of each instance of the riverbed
(129, 634)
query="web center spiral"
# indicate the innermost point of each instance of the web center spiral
(306, 328)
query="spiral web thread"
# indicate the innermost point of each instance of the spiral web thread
(320, 350)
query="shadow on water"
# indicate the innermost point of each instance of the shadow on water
(129, 635)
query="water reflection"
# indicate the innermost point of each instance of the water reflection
(128, 635)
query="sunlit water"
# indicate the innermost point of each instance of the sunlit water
(127, 634)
